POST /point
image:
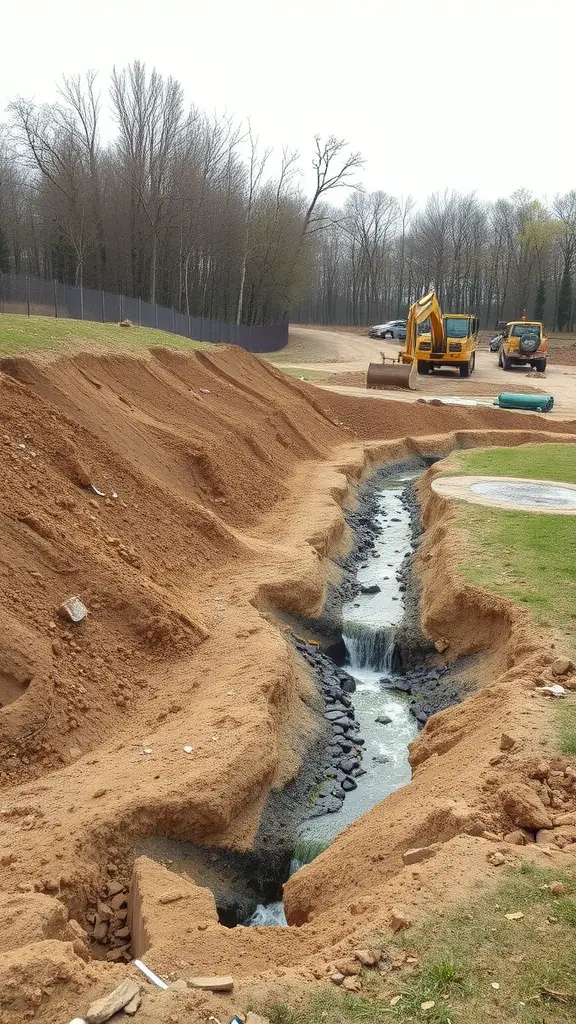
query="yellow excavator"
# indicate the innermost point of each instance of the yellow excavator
(452, 341)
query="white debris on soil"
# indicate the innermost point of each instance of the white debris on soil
(73, 609)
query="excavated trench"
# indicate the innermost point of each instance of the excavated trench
(377, 677)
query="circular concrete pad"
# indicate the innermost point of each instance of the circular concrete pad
(510, 492)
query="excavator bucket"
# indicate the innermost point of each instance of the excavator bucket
(391, 375)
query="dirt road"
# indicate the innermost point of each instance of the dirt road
(348, 354)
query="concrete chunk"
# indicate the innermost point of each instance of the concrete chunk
(102, 1009)
(220, 984)
(418, 854)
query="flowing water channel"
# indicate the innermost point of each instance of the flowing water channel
(369, 624)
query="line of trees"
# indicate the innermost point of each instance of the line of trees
(180, 208)
(503, 259)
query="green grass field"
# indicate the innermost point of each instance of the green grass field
(22, 335)
(472, 966)
(527, 557)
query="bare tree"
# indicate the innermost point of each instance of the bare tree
(333, 168)
(149, 113)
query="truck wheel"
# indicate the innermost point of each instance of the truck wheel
(500, 363)
(540, 365)
(473, 362)
(464, 369)
(423, 367)
(506, 363)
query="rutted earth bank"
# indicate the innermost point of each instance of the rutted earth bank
(220, 516)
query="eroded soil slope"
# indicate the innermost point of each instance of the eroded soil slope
(222, 482)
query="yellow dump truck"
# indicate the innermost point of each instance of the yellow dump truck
(452, 341)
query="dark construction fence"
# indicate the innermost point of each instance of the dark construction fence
(35, 297)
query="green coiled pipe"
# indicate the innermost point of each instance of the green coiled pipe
(535, 403)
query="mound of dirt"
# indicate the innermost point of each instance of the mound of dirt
(564, 356)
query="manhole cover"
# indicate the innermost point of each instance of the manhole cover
(524, 493)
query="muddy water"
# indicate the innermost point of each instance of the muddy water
(369, 623)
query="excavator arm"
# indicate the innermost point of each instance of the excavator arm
(425, 308)
(402, 374)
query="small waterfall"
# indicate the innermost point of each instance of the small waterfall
(369, 646)
(272, 914)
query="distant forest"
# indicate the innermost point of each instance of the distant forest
(181, 208)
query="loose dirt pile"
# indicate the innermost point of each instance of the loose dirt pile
(177, 704)
(565, 356)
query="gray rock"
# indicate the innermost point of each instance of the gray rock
(381, 759)
(383, 720)
(371, 588)
(348, 785)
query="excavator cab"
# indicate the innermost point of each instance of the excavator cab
(451, 340)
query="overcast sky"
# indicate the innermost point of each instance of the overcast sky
(466, 94)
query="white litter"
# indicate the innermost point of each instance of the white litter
(555, 690)
(149, 974)
(187, 750)
(101, 494)
(147, 750)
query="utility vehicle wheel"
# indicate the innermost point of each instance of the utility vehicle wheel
(506, 363)
(500, 363)
(540, 365)
(423, 366)
(464, 369)
(472, 362)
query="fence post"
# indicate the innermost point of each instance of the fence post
(139, 311)
(173, 320)
(55, 300)
(81, 301)
(121, 307)
(3, 291)
(103, 306)
(155, 314)
(28, 295)
(189, 327)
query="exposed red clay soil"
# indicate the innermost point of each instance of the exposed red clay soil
(223, 483)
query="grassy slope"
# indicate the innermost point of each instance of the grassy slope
(460, 957)
(528, 558)
(20, 335)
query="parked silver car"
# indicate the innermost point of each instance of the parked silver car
(395, 329)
